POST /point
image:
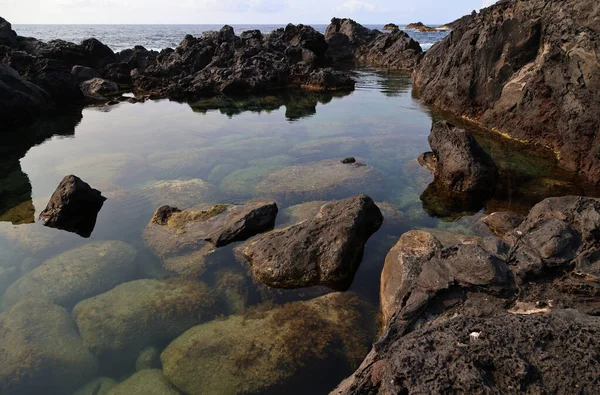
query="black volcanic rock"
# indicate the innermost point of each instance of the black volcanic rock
(350, 42)
(528, 69)
(73, 207)
(7, 36)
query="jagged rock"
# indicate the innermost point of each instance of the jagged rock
(527, 69)
(41, 351)
(461, 164)
(501, 223)
(8, 36)
(145, 382)
(325, 250)
(265, 351)
(75, 275)
(98, 89)
(118, 324)
(188, 237)
(20, 99)
(351, 42)
(74, 206)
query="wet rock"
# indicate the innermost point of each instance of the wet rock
(98, 89)
(350, 42)
(539, 83)
(390, 26)
(325, 250)
(317, 179)
(120, 323)
(77, 274)
(476, 349)
(189, 236)
(83, 73)
(149, 358)
(145, 382)
(99, 386)
(20, 99)
(264, 351)
(74, 206)
(461, 164)
(163, 214)
(348, 160)
(41, 350)
(428, 161)
(500, 223)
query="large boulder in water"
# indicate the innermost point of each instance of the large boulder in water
(118, 324)
(77, 274)
(41, 351)
(325, 250)
(20, 99)
(264, 352)
(528, 69)
(74, 206)
(461, 165)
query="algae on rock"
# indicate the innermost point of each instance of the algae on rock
(145, 382)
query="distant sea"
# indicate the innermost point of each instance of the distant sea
(157, 37)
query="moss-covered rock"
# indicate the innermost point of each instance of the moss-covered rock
(267, 350)
(77, 274)
(118, 324)
(99, 386)
(145, 382)
(41, 351)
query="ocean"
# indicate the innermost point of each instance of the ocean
(157, 37)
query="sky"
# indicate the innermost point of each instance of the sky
(234, 11)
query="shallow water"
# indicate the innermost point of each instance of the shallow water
(144, 155)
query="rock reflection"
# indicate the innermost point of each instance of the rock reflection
(298, 104)
(16, 205)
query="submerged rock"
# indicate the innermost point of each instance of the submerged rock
(145, 382)
(41, 351)
(99, 386)
(325, 250)
(77, 274)
(74, 207)
(118, 324)
(148, 358)
(187, 237)
(265, 351)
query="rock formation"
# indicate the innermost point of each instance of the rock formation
(390, 26)
(477, 306)
(74, 207)
(350, 43)
(527, 69)
(325, 250)
(420, 27)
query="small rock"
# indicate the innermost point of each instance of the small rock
(149, 358)
(349, 159)
(500, 223)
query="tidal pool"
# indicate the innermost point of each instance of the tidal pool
(84, 314)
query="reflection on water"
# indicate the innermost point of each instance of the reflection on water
(92, 312)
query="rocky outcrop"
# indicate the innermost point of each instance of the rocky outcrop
(74, 207)
(41, 351)
(350, 42)
(459, 163)
(98, 89)
(75, 275)
(527, 69)
(20, 99)
(325, 250)
(267, 352)
(390, 26)
(420, 27)
(477, 307)
(183, 239)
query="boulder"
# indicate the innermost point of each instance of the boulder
(183, 239)
(99, 386)
(501, 223)
(325, 250)
(120, 323)
(264, 352)
(41, 351)
(145, 382)
(83, 73)
(461, 164)
(74, 206)
(77, 274)
(98, 89)
(390, 26)
(148, 358)
(526, 69)
(19, 99)
(8, 36)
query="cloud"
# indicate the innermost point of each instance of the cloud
(357, 5)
